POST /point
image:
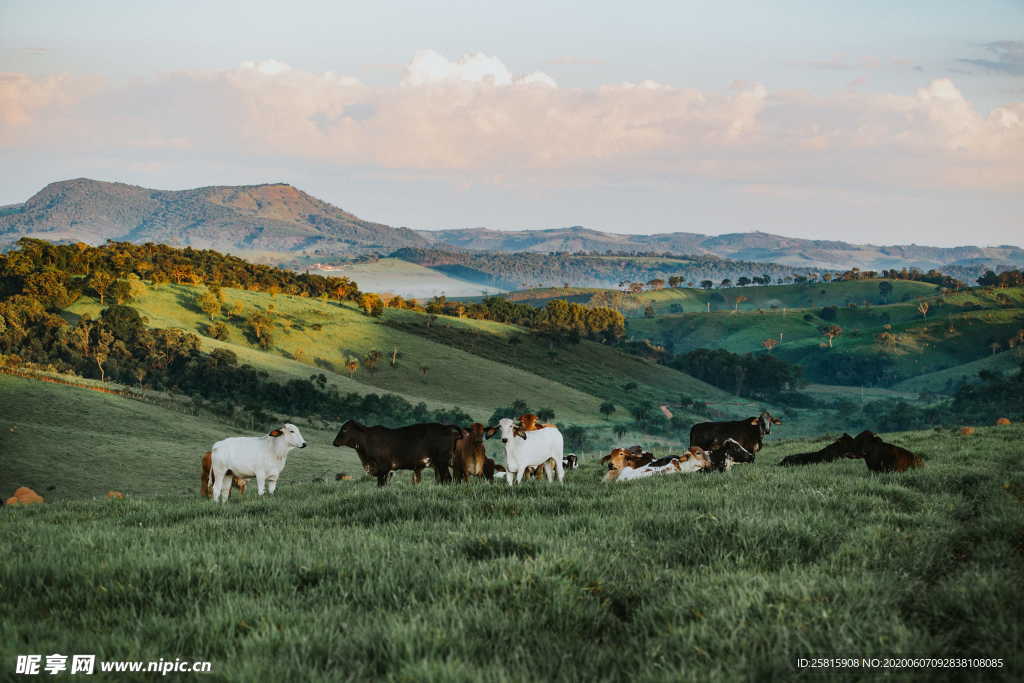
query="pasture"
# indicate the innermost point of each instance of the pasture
(709, 577)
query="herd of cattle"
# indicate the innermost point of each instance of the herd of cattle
(531, 450)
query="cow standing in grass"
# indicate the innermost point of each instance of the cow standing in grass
(263, 457)
(383, 450)
(531, 449)
(747, 433)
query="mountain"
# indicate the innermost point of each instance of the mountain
(274, 217)
(744, 246)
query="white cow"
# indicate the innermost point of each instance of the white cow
(262, 457)
(530, 449)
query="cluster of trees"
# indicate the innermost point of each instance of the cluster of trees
(64, 270)
(1007, 278)
(559, 318)
(527, 269)
(760, 376)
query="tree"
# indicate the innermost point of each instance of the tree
(545, 414)
(260, 324)
(740, 299)
(769, 343)
(743, 281)
(675, 281)
(656, 283)
(209, 304)
(351, 365)
(831, 332)
(607, 409)
(372, 358)
(706, 284)
(99, 282)
(922, 308)
(726, 283)
(885, 290)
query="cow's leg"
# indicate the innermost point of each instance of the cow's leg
(560, 469)
(382, 477)
(271, 483)
(261, 482)
(520, 473)
(549, 471)
(219, 477)
(417, 475)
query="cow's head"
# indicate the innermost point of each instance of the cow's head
(476, 433)
(765, 422)
(291, 435)
(528, 422)
(349, 435)
(731, 448)
(509, 430)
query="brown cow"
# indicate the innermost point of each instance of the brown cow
(880, 456)
(840, 448)
(470, 455)
(204, 485)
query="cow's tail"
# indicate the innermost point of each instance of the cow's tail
(209, 478)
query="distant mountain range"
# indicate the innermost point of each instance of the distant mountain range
(743, 246)
(284, 221)
(274, 218)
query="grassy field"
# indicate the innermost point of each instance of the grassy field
(67, 442)
(698, 577)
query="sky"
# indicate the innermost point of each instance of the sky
(860, 121)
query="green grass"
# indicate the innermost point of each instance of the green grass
(67, 442)
(943, 380)
(718, 577)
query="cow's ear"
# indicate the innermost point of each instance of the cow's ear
(276, 432)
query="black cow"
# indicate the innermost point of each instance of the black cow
(840, 448)
(725, 454)
(383, 450)
(747, 433)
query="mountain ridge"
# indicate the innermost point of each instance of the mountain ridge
(268, 217)
(281, 219)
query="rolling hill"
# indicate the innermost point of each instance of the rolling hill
(242, 220)
(744, 246)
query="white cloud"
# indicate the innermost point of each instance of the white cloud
(428, 68)
(473, 119)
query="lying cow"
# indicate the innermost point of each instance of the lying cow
(263, 457)
(880, 456)
(627, 464)
(204, 479)
(383, 450)
(530, 449)
(747, 433)
(840, 448)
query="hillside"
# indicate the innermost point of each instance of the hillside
(878, 345)
(241, 219)
(470, 364)
(96, 442)
(744, 246)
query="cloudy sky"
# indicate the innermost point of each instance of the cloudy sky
(861, 121)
